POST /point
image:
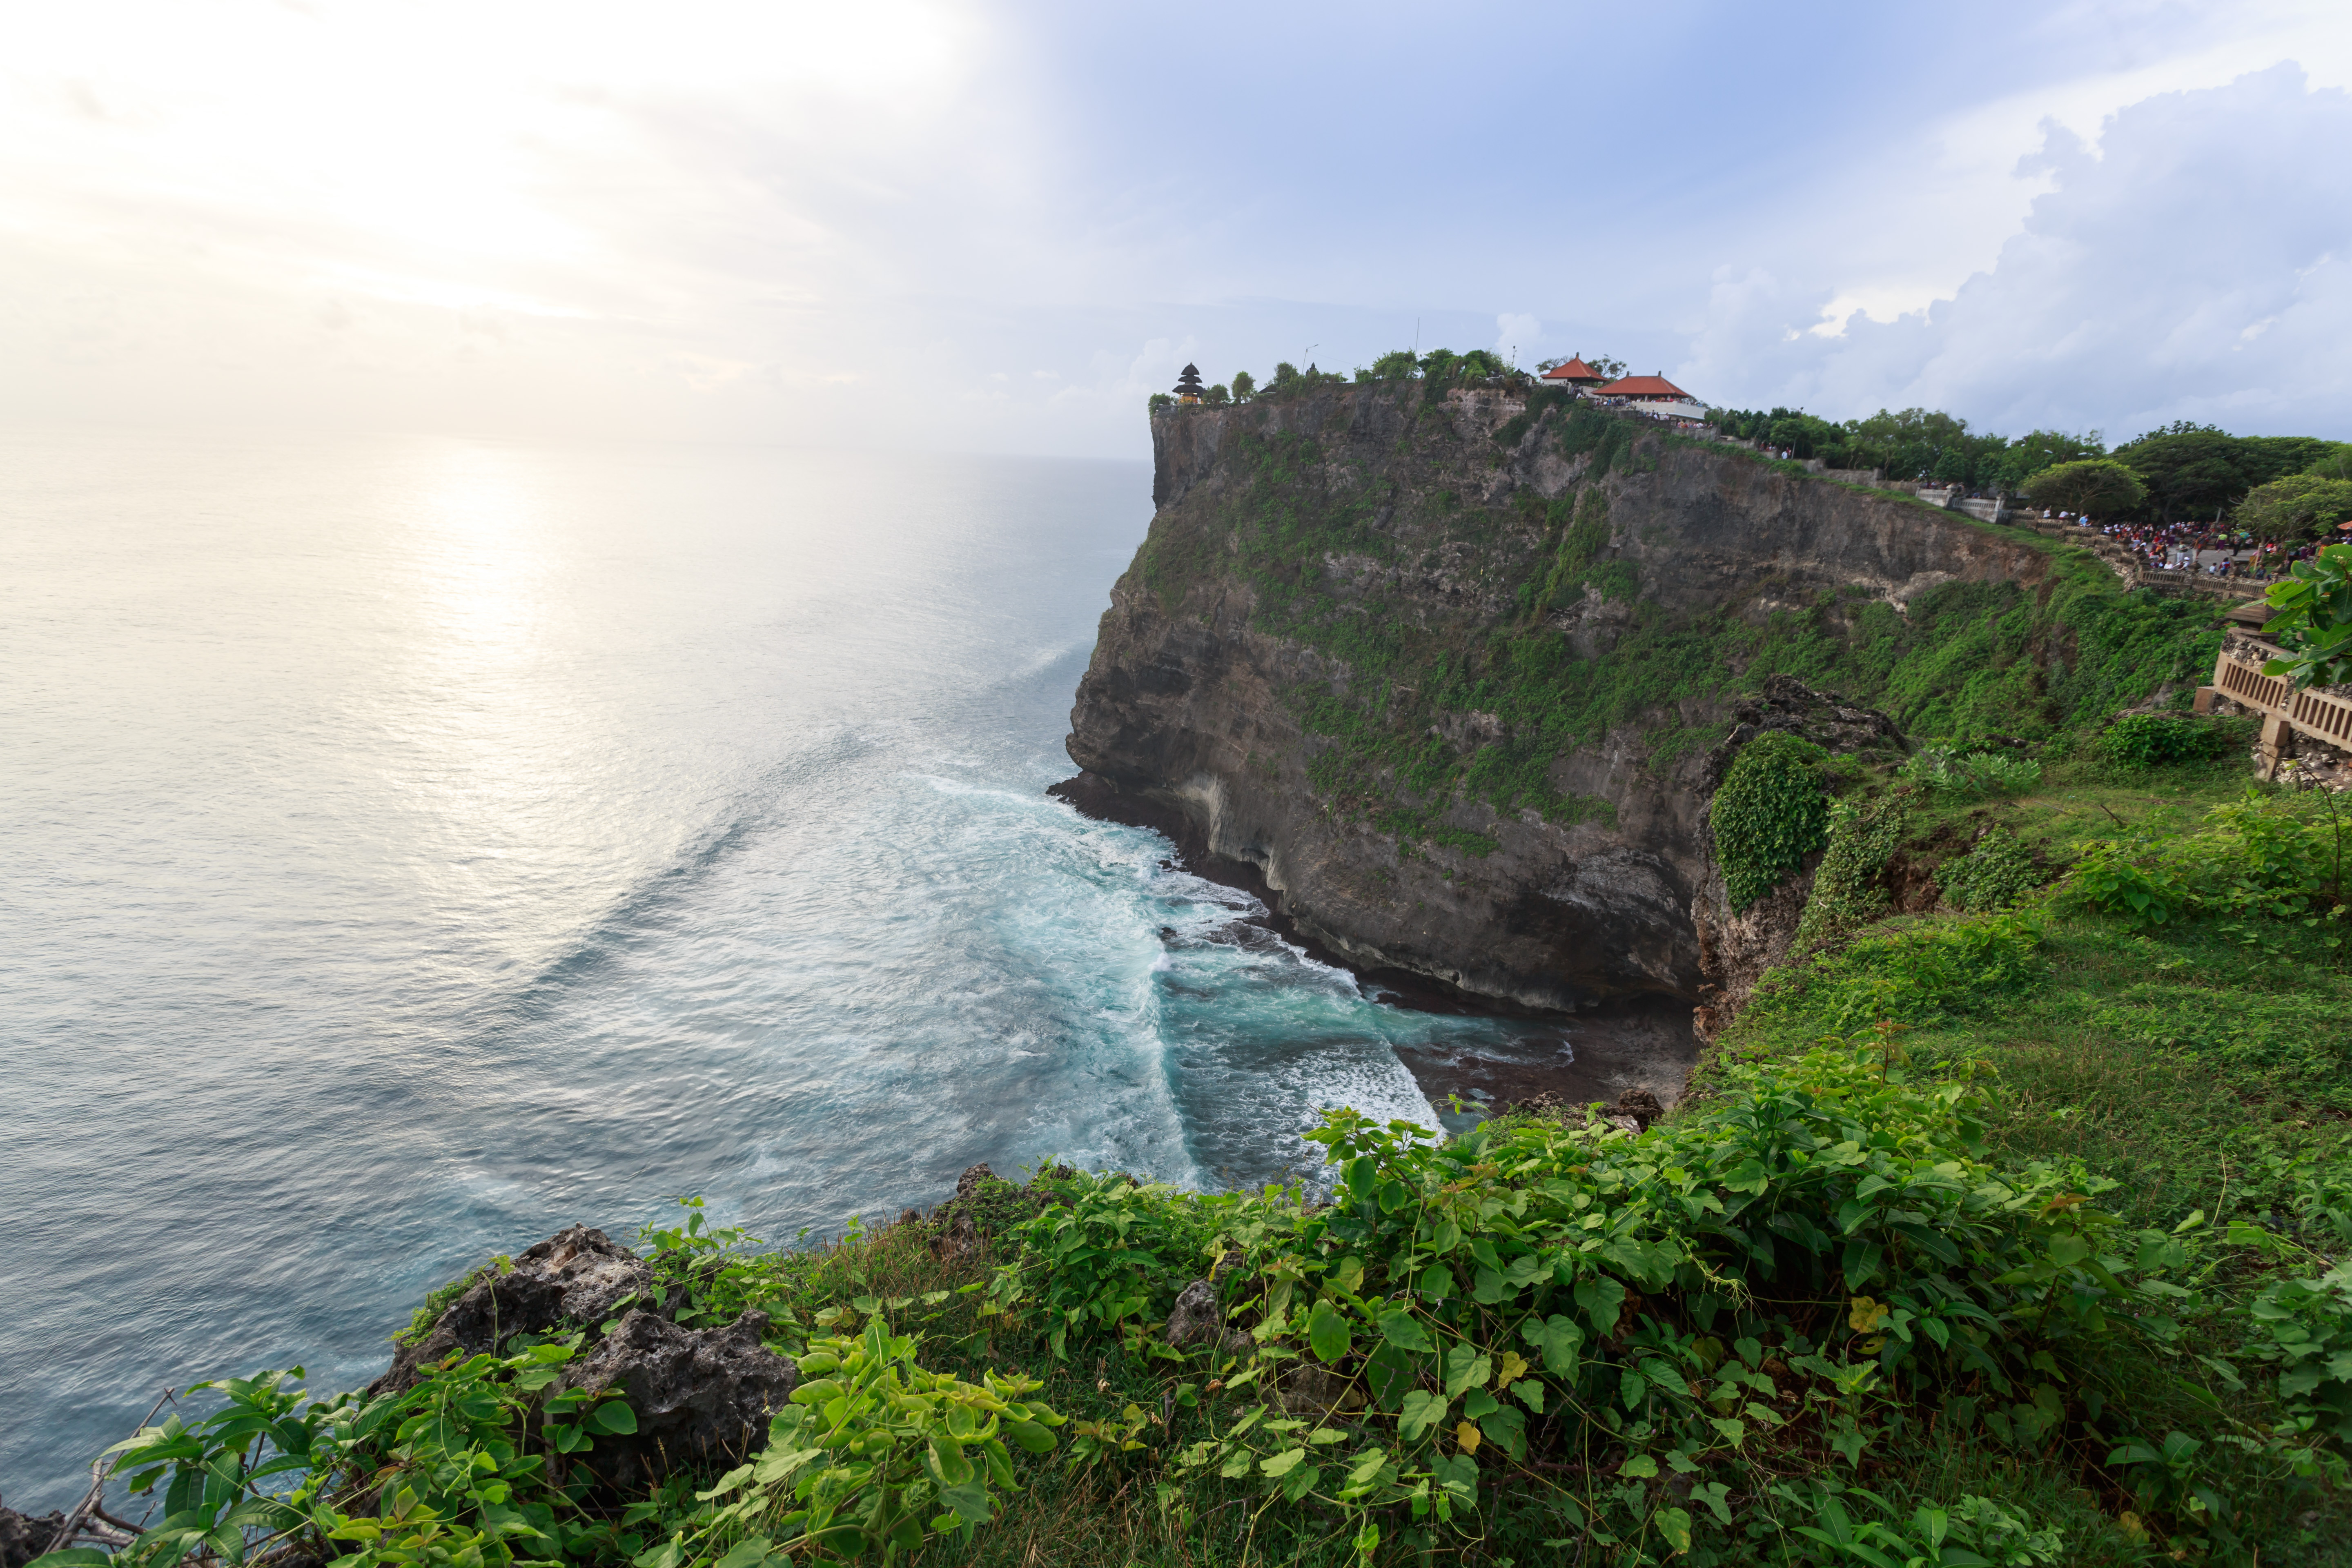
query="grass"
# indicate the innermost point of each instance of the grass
(2203, 1069)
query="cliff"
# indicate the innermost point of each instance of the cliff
(1456, 676)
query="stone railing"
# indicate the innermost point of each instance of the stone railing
(2287, 714)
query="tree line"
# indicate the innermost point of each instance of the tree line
(1402, 364)
(2283, 488)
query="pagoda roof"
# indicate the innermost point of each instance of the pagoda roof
(1574, 370)
(1644, 386)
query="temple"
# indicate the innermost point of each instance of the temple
(1187, 385)
(1575, 372)
(1655, 395)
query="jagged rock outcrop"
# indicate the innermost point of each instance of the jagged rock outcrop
(698, 1394)
(1231, 679)
(577, 1276)
(25, 1536)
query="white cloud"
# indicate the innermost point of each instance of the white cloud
(1517, 334)
(2194, 262)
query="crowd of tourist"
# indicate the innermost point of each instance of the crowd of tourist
(2210, 548)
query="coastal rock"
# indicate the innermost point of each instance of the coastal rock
(1197, 1319)
(1316, 1393)
(698, 1394)
(1640, 1107)
(25, 1536)
(579, 1276)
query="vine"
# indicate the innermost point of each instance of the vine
(1768, 815)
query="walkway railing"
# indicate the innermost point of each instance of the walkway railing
(2324, 716)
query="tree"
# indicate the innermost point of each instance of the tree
(2027, 455)
(1216, 397)
(1614, 368)
(1399, 365)
(2190, 470)
(1159, 400)
(2098, 485)
(2296, 508)
(2335, 463)
(1244, 386)
(2269, 458)
(2312, 619)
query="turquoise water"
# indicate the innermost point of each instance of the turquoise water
(413, 846)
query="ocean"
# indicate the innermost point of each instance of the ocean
(415, 845)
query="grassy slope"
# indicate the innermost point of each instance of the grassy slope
(2202, 1070)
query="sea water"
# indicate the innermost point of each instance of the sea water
(412, 846)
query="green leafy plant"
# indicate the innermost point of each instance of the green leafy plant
(449, 1473)
(2312, 619)
(2137, 741)
(1995, 873)
(1768, 815)
(1945, 770)
(875, 1456)
(1846, 889)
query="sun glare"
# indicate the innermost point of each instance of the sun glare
(476, 141)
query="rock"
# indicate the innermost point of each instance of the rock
(579, 1276)
(1190, 718)
(969, 1182)
(25, 1536)
(960, 1239)
(1641, 1106)
(698, 1394)
(1196, 1317)
(1316, 1391)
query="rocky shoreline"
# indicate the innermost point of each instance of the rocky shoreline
(1639, 1046)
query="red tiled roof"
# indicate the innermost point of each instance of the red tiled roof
(1644, 386)
(1574, 370)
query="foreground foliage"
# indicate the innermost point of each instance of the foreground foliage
(2016, 1233)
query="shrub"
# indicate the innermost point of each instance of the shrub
(1915, 977)
(1846, 891)
(1768, 815)
(2313, 619)
(2260, 859)
(1995, 873)
(2153, 740)
(1945, 771)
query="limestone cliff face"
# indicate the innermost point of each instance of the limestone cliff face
(1337, 585)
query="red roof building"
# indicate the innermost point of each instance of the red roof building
(1575, 372)
(1647, 389)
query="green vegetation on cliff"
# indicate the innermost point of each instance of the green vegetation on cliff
(1399, 717)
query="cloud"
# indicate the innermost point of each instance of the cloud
(2194, 262)
(766, 220)
(1517, 334)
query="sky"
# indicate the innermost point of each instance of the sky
(955, 224)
